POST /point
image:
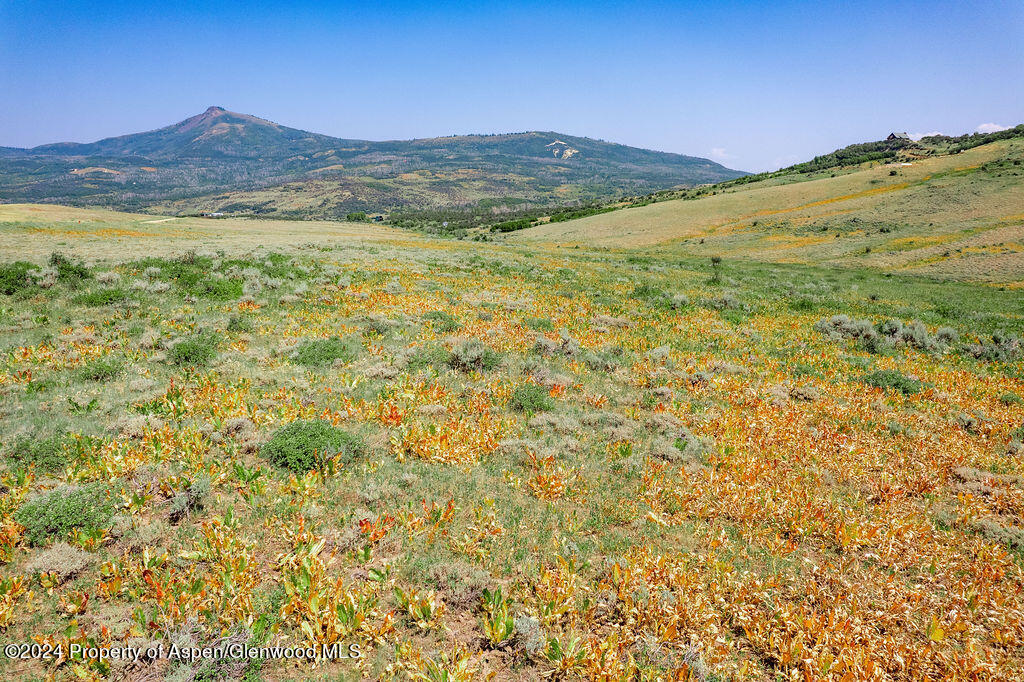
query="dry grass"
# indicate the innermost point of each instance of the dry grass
(904, 222)
(33, 231)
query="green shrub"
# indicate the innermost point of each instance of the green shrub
(1011, 399)
(802, 304)
(46, 454)
(651, 294)
(68, 269)
(239, 323)
(473, 355)
(192, 498)
(443, 322)
(101, 369)
(14, 277)
(428, 356)
(197, 350)
(56, 513)
(100, 297)
(320, 352)
(305, 445)
(217, 289)
(540, 324)
(531, 398)
(895, 380)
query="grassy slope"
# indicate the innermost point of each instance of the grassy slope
(711, 490)
(959, 216)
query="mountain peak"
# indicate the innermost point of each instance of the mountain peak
(215, 110)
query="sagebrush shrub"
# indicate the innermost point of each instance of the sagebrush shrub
(306, 445)
(61, 559)
(1000, 348)
(886, 335)
(191, 499)
(61, 510)
(473, 355)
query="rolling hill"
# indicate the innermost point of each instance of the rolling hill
(225, 161)
(958, 215)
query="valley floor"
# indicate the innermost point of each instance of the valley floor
(483, 461)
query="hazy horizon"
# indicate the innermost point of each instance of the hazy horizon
(750, 87)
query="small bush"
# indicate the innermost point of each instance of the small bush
(197, 350)
(1001, 348)
(306, 445)
(802, 304)
(1011, 399)
(68, 269)
(651, 294)
(540, 324)
(217, 289)
(442, 321)
(428, 356)
(473, 355)
(679, 301)
(531, 398)
(320, 352)
(101, 297)
(61, 560)
(191, 499)
(239, 323)
(601, 362)
(840, 327)
(14, 277)
(59, 511)
(101, 369)
(895, 380)
(46, 454)
(1017, 434)
(886, 335)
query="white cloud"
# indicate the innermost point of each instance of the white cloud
(918, 136)
(719, 153)
(991, 128)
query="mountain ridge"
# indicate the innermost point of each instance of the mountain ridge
(199, 163)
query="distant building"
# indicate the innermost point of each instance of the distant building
(898, 136)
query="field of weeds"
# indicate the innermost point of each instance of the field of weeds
(487, 462)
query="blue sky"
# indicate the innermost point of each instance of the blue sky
(753, 85)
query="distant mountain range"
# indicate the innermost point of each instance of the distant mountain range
(225, 161)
